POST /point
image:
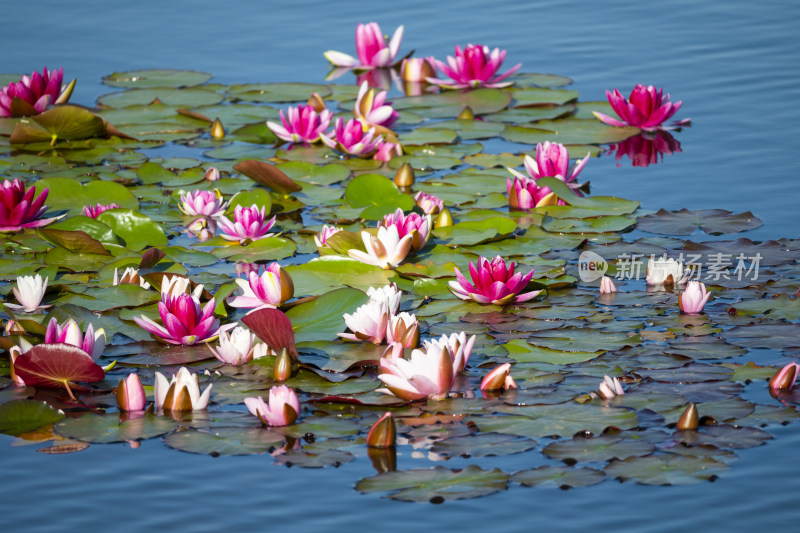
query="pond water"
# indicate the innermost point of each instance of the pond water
(733, 64)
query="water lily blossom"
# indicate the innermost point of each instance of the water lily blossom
(386, 250)
(388, 294)
(29, 293)
(129, 276)
(785, 377)
(18, 207)
(353, 138)
(282, 410)
(212, 174)
(235, 348)
(609, 388)
(372, 108)
(321, 237)
(524, 193)
(33, 93)
(93, 342)
(552, 159)
(130, 394)
(607, 285)
(367, 323)
(429, 203)
(693, 298)
(270, 289)
(664, 271)
(185, 320)
(428, 374)
(457, 345)
(646, 108)
(180, 394)
(474, 66)
(202, 203)
(494, 283)
(499, 378)
(418, 69)
(371, 47)
(248, 223)
(94, 211)
(412, 224)
(403, 329)
(301, 125)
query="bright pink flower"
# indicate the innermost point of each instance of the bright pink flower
(647, 148)
(130, 394)
(301, 124)
(552, 159)
(18, 207)
(94, 211)
(524, 193)
(184, 320)
(474, 66)
(38, 91)
(372, 49)
(248, 223)
(413, 223)
(646, 108)
(202, 203)
(351, 138)
(494, 282)
(693, 298)
(499, 378)
(322, 236)
(93, 343)
(372, 108)
(283, 408)
(428, 374)
(429, 203)
(271, 289)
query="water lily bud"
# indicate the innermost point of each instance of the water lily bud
(383, 433)
(444, 219)
(785, 377)
(212, 174)
(177, 398)
(217, 131)
(607, 285)
(316, 102)
(689, 418)
(466, 114)
(283, 366)
(130, 394)
(14, 328)
(405, 176)
(497, 379)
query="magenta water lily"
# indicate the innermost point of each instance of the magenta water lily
(647, 108)
(494, 282)
(33, 93)
(372, 48)
(474, 66)
(355, 138)
(301, 125)
(94, 211)
(18, 207)
(419, 227)
(249, 223)
(202, 203)
(93, 342)
(372, 109)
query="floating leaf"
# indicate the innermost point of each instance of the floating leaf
(482, 445)
(137, 230)
(597, 449)
(225, 441)
(321, 319)
(111, 428)
(666, 469)
(684, 222)
(436, 485)
(376, 190)
(65, 123)
(57, 365)
(21, 416)
(156, 78)
(563, 477)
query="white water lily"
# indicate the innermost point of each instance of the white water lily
(29, 293)
(236, 347)
(610, 387)
(387, 250)
(180, 394)
(663, 271)
(389, 294)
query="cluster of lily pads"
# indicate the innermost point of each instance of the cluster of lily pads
(342, 251)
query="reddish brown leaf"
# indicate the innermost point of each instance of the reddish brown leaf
(151, 258)
(56, 365)
(268, 176)
(273, 327)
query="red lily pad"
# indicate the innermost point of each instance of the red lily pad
(57, 365)
(273, 327)
(268, 176)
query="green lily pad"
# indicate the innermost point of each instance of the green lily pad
(21, 416)
(192, 97)
(156, 78)
(451, 103)
(569, 131)
(321, 319)
(225, 441)
(137, 230)
(482, 445)
(110, 428)
(598, 449)
(666, 469)
(436, 485)
(559, 476)
(369, 190)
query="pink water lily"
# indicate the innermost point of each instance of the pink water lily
(235, 348)
(372, 49)
(29, 293)
(248, 223)
(353, 138)
(494, 283)
(474, 66)
(301, 124)
(524, 193)
(368, 322)
(212, 174)
(184, 320)
(692, 300)
(386, 250)
(403, 329)
(457, 345)
(270, 289)
(429, 203)
(93, 342)
(647, 148)
(18, 207)
(428, 374)
(372, 108)
(607, 285)
(35, 92)
(609, 388)
(322, 236)
(412, 224)
(552, 159)
(130, 394)
(389, 294)
(282, 410)
(202, 203)
(182, 393)
(94, 211)
(499, 378)
(646, 108)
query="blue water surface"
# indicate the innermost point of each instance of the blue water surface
(733, 63)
